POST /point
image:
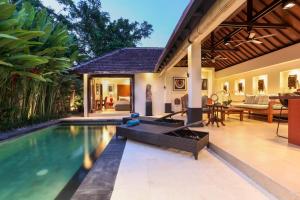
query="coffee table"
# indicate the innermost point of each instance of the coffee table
(233, 110)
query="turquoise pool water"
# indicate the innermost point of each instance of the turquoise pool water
(39, 165)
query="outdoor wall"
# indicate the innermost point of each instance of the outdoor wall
(273, 68)
(157, 83)
(171, 95)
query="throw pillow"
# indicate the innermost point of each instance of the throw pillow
(249, 99)
(263, 100)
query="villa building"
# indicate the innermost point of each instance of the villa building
(253, 51)
(225, 60)
(242, 51)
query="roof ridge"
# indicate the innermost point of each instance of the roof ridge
(143, 48)
(103, 56)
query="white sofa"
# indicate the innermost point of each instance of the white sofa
(260, 104)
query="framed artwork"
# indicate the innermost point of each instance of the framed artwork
(261, 85)
(110, 88)
(204, 84)
(240, 87)
(292, 81)
(179, 84)
(97, 89)
(225, 88)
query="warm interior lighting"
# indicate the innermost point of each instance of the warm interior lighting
(288, 4)
(87, 161)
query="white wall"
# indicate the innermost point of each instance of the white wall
(157, 83)
(274, 68)
(170, 94)
(207, 73)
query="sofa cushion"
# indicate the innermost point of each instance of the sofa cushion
(256, 99)
(251, 106)
(278, 107)
(263, 100)
(249, 99)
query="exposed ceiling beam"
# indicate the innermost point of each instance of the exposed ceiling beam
(254, 26)
(254, 18)
(219, 50)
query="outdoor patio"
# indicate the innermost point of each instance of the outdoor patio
(253, 147)
(250, 146)
(147, 172)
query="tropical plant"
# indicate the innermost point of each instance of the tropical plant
(97, 33)
(35, 55)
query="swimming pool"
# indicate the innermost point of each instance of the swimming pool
(50, 161)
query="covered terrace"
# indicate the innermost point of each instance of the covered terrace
(252, 47)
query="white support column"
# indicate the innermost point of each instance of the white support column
(167, 96)
(194, 83)
(85, 95)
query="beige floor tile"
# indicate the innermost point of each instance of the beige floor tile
(177, 176)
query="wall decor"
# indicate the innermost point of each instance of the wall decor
(97, 89)
(261, 85)
(240, 87)
(204, 84)
(110, 88)
(225, 88)
(179, 84)
(292, 81)
(148, 100)
(177, 101)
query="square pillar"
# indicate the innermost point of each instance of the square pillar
(194, 112)
(85, 95)
(167, 95)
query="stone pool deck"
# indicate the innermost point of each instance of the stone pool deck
(151, 173)
(100, 181)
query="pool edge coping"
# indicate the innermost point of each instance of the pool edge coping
(15, 133)
(26, 130)
(100, 181)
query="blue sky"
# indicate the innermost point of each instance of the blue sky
(162, 14)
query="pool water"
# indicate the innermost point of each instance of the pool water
(39, 165)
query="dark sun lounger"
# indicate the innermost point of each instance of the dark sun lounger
(181, 138)
(166, 120)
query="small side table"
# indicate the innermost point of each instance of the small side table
(213, 117)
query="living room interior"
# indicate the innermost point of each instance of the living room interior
(110, 95)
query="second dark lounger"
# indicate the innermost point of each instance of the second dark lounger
(166, 120)
(181, 138)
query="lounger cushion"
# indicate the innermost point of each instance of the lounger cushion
(135, 115)
(133, 122)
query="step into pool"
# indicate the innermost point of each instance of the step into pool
(50, 163)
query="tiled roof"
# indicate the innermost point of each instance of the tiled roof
(122, 61)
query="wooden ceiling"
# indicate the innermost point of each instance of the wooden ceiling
(285, 24)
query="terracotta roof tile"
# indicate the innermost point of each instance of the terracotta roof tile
(124, 61)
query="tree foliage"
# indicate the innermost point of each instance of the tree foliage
(95, 31)
(35, 56)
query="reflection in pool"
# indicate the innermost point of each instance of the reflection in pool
(39, 165)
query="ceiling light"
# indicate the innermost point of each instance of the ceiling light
(287, 4)
(226, 41)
